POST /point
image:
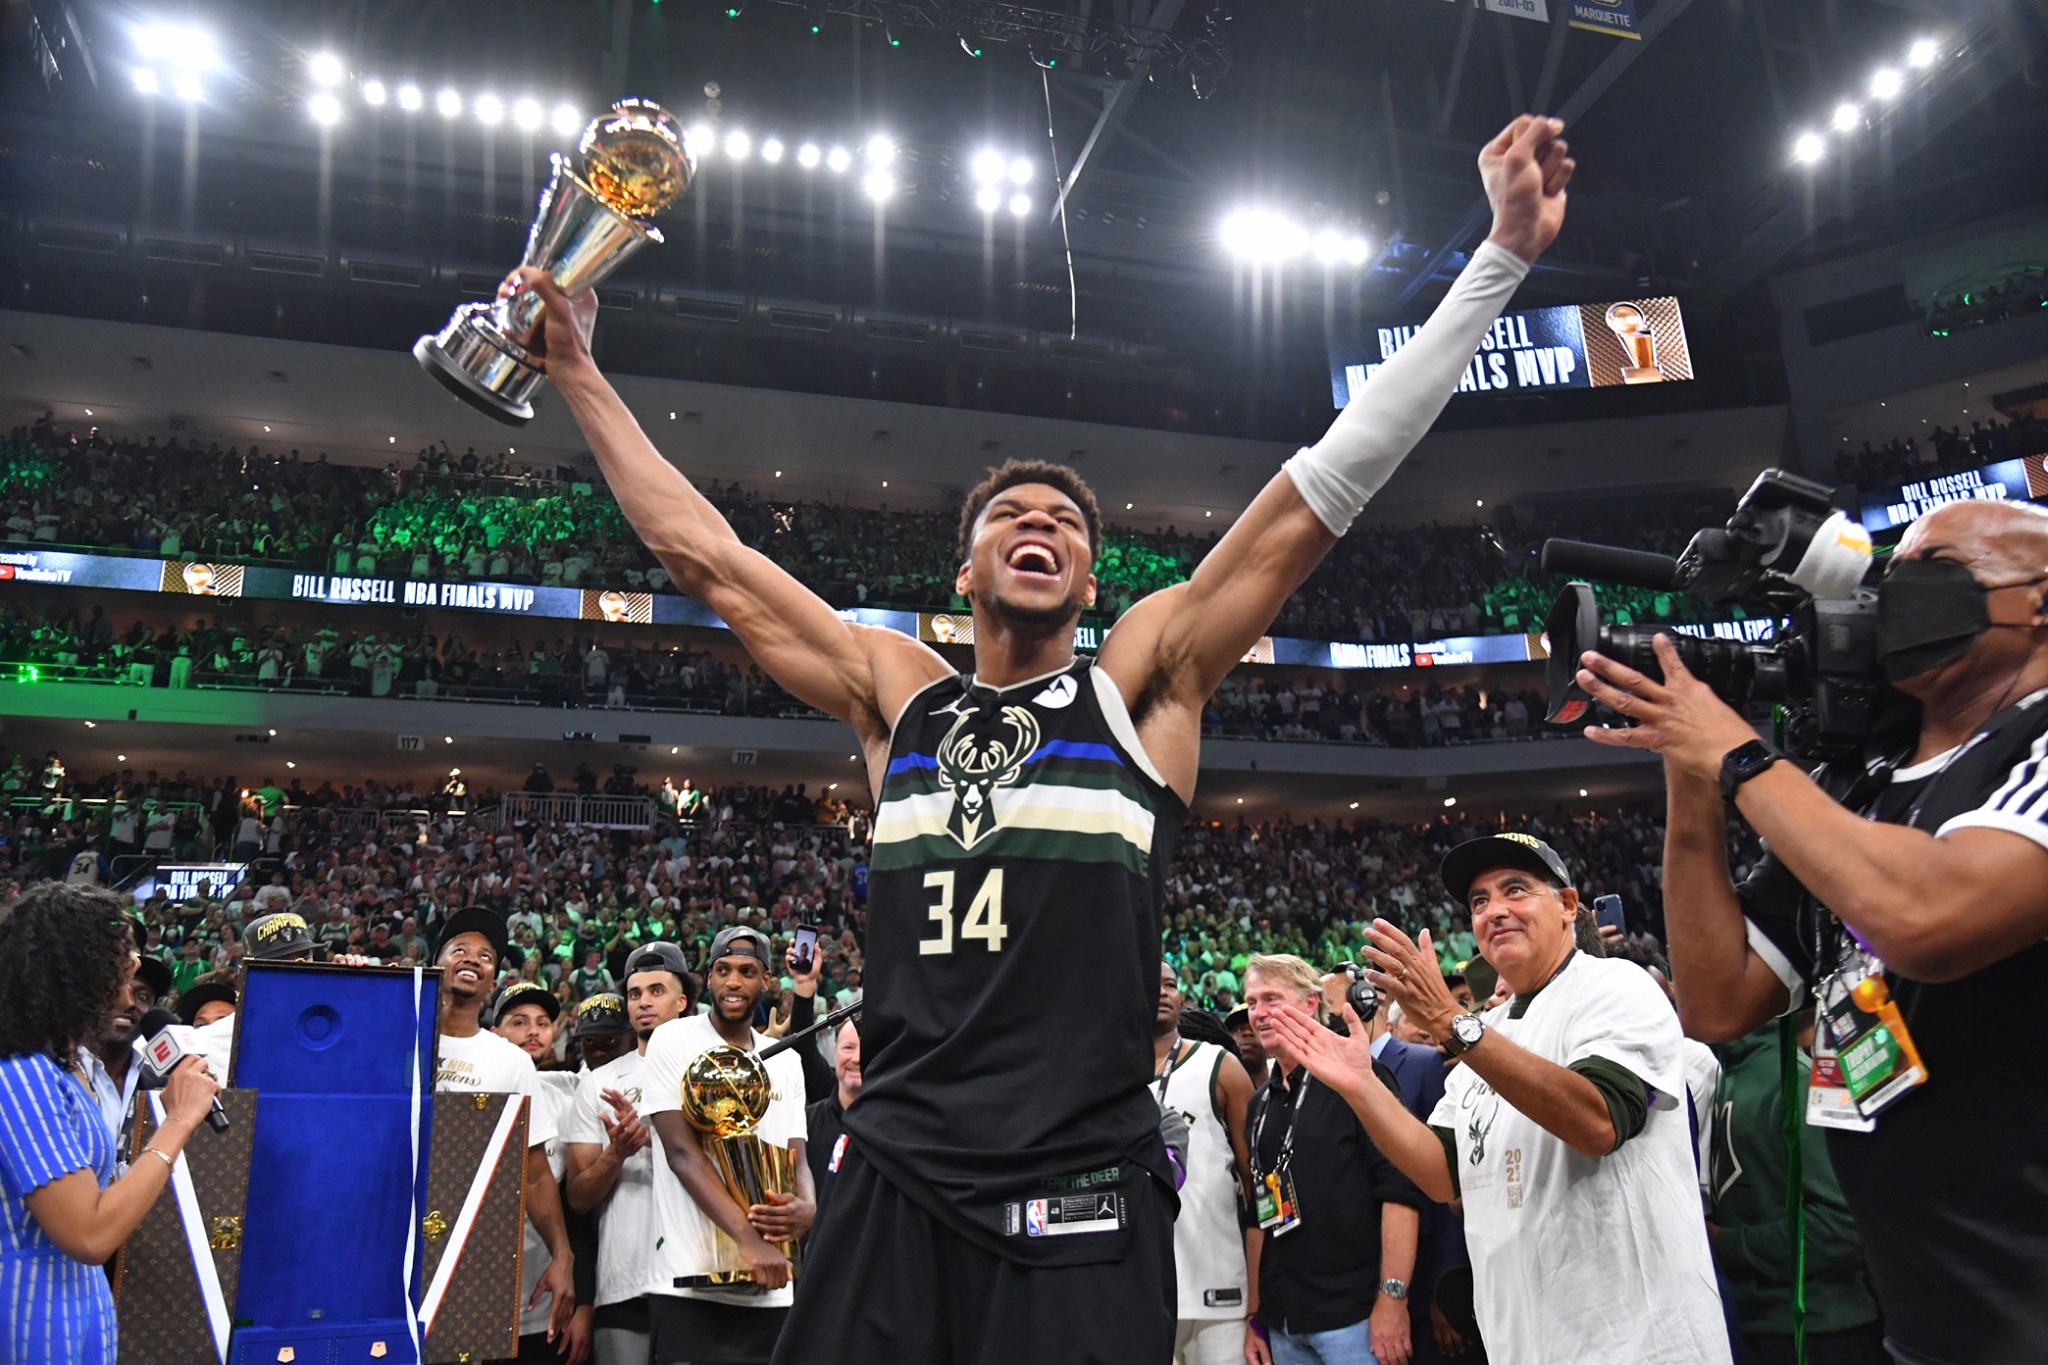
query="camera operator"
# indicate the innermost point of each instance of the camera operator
(1906, 887)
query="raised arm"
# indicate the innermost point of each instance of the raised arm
(1177, 645)
(861, 675)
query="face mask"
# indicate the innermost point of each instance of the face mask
(1929, 613)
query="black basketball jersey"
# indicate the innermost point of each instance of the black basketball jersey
(1012, 967)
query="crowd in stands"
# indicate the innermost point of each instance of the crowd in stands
(374, 867)
(475, 517)
(1943, 450)
(2019, 292)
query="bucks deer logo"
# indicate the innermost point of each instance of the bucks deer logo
(972, 766)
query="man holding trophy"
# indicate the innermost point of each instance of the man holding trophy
(1001, 1200)
(729, 1204)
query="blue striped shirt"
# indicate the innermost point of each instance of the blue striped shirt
(52, 1308)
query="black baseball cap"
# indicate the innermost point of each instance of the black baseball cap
(659, 956)
(154, 974)
(525, 993)
(740, 941)
(205, 993)
(602, 1013)
(473, 920)
(1463, 864)
(1239, 1014)
(270, 938)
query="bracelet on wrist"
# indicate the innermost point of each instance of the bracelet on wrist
(170, 1163)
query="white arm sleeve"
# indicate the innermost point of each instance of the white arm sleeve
(1338, 474)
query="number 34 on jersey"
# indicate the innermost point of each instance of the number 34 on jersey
(984, 918)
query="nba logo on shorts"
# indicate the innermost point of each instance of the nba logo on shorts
(1034, 1218)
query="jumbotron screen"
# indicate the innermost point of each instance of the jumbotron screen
(1538, 350)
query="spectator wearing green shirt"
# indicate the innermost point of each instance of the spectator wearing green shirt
(592, 978)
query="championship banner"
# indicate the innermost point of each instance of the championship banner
(1538, 350)
(1886, 509)
(1617, 17)
(1521, 9)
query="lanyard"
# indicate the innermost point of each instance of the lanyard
(1293, 1113)
(1173, 1064)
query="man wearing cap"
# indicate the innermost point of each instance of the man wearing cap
(475, 1060)
(1256, 1063)
(1564, 1131)
(724, 1325)
(611, 1158)
(280, 937)
(207, 1003)
(524, 1015)
(601, 1033)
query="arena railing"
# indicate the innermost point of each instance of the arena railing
(569, 808)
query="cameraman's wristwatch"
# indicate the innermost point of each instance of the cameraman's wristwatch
(1466, 1030)
(1743, 762)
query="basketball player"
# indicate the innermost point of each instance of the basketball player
(611, 1161)
(1003, 1200)
(1209, 1088)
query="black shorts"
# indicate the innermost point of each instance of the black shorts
(706, 1332)
(884, 1282)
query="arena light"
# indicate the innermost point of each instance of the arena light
(771, 150)
(185, 46)
(1923, 53)
(1450, 801)
(490, 110)
(146, 82)
(702, 139)
(449, 103)
(565, 120)
(1808, 149)
(837, 160)
(1020, 204)
(1848, 118)
(988, 199)
(1262, 237)
(325, 108)
(987, 166)
(326, 69)
(881, 151)
(526, 114)
(1020, 171)
(374, 93)
(185, 85)
(808, 156)
(410, 99)
(1886, 83)
(738, 145)
(878, 184)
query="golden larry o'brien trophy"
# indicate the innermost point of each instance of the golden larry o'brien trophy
(632, 162)
(726, 1091)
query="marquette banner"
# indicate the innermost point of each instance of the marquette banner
(1574, 346)
(1886, 509)
(1605, 16)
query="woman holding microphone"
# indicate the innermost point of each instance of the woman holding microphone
(66, 956)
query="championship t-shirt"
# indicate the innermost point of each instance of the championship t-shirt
(625, 1221)
(486, 1064)
(1578, 1260)
(687, 1241)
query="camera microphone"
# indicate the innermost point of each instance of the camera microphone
(168, 1042)
(1610, 564)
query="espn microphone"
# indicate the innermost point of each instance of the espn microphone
(166, 1042)
(1609, 564)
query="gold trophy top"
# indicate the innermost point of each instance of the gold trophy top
(635, 158)
(725, 1092)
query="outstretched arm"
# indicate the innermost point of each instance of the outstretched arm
(858, 674)
(1177, 645)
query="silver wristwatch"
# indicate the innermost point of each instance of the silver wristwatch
(1466, 1030)
(1394, 1289)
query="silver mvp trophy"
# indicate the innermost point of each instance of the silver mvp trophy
(631, 163)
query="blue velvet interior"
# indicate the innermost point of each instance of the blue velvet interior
(323, 1242)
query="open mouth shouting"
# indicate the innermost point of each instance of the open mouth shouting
(1034, 559)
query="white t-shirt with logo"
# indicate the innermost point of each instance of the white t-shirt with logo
(487, 1064)
(689, 1243)
(1579, 1260)
(625, 1221)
